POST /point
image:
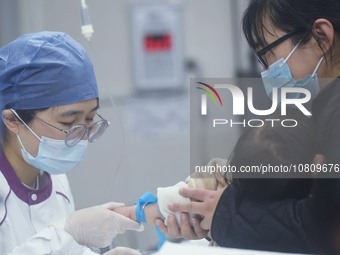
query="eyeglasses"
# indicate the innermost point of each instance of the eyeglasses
(260, 53)
(77, 132)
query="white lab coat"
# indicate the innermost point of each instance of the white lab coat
(28, 218)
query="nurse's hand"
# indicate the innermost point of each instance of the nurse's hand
(203, 203)
(187, 231)
(122, 251)
(97, 226)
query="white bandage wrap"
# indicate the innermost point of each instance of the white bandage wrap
(197, 180)
(168, 195)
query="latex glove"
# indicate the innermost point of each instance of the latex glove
(122, 251)
(97, 226)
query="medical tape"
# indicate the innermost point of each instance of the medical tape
(144, 200)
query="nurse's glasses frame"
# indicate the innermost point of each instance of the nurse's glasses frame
(77, 132)
(263, 51)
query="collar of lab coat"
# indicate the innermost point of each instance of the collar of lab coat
(29, 196)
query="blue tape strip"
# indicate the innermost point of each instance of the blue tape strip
(161, 237)
(145, 199)
(148, 198)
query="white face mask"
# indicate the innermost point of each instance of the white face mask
(54, 156)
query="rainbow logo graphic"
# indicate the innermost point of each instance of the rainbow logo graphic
(209, 92)
(212, 93)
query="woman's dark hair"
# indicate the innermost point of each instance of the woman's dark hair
(275, 146)
(28, 115)
(288, 15)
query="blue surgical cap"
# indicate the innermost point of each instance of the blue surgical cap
(45, 69)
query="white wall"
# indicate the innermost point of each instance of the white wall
(207, 36)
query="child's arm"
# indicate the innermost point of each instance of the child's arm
(150, 210)
(167, 195)
(160, 209)
(170, 194)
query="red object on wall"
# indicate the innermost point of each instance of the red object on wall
(157, 42)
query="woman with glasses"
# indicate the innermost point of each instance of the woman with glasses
(297, 42)
(48, 105)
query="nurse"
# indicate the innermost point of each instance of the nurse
(48, 105)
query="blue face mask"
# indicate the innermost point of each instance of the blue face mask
(279, 75)
(54, 156)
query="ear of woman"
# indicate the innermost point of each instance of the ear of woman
(10, 121)
(323, 30)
